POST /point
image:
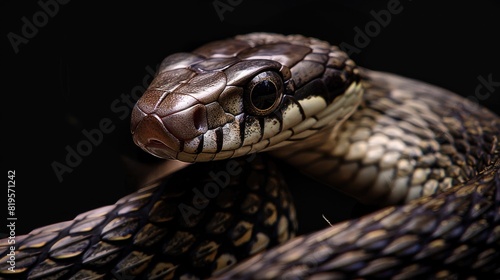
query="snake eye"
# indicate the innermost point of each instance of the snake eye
(263, 93)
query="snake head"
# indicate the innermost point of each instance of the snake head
(246, 94)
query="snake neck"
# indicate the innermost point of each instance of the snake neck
(407, 140)
(323, 141)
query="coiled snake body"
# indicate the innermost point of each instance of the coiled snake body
(428, 158)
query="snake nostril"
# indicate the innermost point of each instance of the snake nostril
(187, 124)
(200, 119)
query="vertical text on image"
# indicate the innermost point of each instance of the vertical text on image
(11, 220)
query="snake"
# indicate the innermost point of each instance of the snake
(237, 110)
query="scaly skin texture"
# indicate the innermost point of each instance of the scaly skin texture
(384, 139)
(451, 235)
(421, 141)
(407, 140)
(181, 226)
(399, 141)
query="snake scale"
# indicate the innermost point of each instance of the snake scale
(426, 157)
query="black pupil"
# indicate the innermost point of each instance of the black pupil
(264, 95)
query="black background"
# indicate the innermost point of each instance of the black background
(89, 54)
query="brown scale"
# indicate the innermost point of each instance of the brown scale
(120, 241)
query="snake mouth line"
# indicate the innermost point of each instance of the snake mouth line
(159, 149)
